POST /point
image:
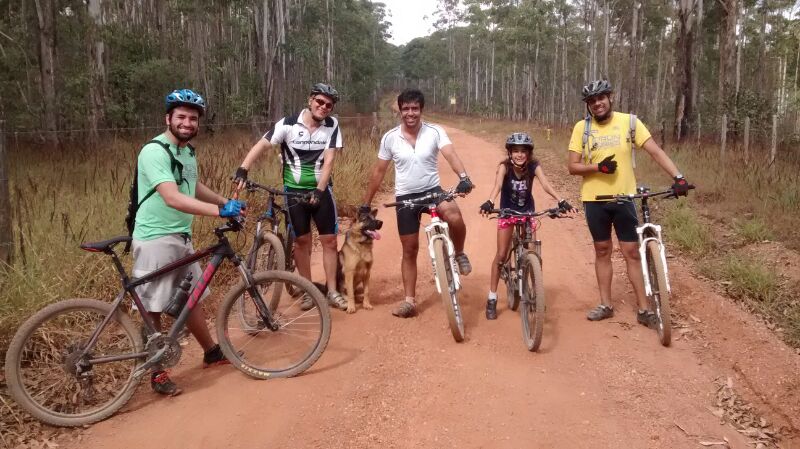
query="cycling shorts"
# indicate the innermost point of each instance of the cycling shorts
(323, 213)
(408, 217)
(601, 215)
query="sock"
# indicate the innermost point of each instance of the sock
(492, 295)
(410, 299)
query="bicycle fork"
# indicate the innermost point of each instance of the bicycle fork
(654, 235)
(439, 231)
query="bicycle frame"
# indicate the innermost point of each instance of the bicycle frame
(272, 215)
(218, 252)
(438, 229)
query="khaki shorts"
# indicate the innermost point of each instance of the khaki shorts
(150, 255)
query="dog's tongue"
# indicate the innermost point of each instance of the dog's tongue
(374, 234)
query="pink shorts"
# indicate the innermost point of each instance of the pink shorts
(507, 222)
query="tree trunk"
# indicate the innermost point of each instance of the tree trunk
(97, 72)
(634, 60)
(46, 14)
(727, 53)
(684, 108)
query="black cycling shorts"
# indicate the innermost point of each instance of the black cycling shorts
(408, 217)
(323, 214)
(601, 215)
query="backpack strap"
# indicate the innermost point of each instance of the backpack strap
(174, 164)
(633, 140)
(586, 150)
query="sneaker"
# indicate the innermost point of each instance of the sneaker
(491, 309)
(464, 267)
(600, 312)
(307, 303)
(162, 384)
(647, 318)
(335, 299)
(214, 356)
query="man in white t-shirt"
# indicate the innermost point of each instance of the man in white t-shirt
(414, 148)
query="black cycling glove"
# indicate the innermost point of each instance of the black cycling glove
(240, 175)
(680, 186)
(487, 206)
(465, 185)
(565, 206)
(608, 165)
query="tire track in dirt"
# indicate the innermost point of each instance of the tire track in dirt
(387, 382)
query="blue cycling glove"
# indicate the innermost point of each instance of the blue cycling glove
(233, 208)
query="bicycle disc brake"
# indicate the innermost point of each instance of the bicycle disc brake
(171, 353)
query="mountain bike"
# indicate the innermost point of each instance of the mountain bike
(653, 259)
(78, 361)
(522, 272)
(273, 244)
(442, 253)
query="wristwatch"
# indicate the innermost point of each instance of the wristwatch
(462, 175)
(678, 177)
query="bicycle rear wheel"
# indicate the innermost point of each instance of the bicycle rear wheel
(659, 300)
(533, 302)
(41, 363)
(444, 277)
(297, 342)
(269, 255)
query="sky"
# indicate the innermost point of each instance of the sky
(408, 18)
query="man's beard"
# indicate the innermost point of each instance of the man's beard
(182, 136)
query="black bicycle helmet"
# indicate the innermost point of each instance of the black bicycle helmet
(185, 97)
(325, 89)
(519, 139)
(596, 87)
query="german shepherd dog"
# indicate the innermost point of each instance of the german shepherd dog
(355, 259)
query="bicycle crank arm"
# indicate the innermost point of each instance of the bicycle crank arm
(149, 363)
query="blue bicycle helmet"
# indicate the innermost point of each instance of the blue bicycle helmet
(185, 97)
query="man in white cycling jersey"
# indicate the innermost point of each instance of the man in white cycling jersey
(414, 148)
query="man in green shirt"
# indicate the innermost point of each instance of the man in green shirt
(170, 198)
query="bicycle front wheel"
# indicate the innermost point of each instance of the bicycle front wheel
(298, 338)
(659, 300)
(512, 292)
(533, 302)
(42, 360)
(447, 287)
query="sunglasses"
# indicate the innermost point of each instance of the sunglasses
(320, 102)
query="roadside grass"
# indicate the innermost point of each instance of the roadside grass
(63, 198)
(735, 196)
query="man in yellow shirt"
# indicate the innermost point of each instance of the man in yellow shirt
(601, 151)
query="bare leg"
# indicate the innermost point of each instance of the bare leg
(408, 267)
(197, 326)
(503, 243)
(302, 255)
(634, 262)
(458, 230)
(330, 258)
(604, 270)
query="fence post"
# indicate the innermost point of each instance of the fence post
(774, 149)
(747, 138)
(699, 124)
(6, 232)
(374, 129)
(723, 135)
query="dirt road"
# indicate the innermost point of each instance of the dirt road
(387, 382)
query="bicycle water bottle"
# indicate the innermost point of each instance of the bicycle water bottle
(179, 298)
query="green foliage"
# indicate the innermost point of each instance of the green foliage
(751, 279)
(753, 230)
(686, 230)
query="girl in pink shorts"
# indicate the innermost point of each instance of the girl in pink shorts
(514, 183)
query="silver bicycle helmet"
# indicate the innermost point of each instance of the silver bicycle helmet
(519, 139)
(596, 87)
(185, 97)
(325, 89)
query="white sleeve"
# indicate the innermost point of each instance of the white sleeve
(385, 151)
(443, 139)
(277, 134)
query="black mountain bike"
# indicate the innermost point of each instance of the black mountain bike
(522, 272)
(78, 361)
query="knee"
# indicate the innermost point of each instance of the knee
(410, 251)
(603, 250)
(328, 241)
(303, 240)
(630, 252)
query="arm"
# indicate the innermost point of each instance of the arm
(576, 166)
(327, 168)
(546, 184)
(661, 158)
(498, 181)
(375, 179)
(255, 152)
(449, 153)
(184, 203)
(203, 193)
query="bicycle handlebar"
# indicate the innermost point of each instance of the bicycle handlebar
(430, 198)
(252, 186)
(632, 196)
(553, 212)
